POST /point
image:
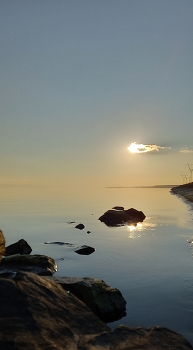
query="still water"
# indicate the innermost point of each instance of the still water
(152, 264)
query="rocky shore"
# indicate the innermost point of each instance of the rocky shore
(185, 191)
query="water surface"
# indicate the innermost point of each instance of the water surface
(151, 264)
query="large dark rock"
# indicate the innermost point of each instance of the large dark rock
(107, 303)
(121, 217)
(39, 264)
(20, 247)
(36, 313)
(129, 338)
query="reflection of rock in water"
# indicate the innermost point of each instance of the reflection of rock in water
(114, 217)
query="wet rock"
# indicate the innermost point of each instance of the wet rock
(88, 232)
(121, 217)
(82, 250)
(38, 264)
(107, 303)
(61, 243)
(20, 247)
(80, 226)
(85, 250)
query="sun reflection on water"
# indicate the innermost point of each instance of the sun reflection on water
(136, 229)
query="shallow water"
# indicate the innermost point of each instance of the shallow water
(151, 264)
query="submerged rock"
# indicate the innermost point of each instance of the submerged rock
(121, 217)
(38, 264)
(20, 247)
(106, 302)
(82, 250)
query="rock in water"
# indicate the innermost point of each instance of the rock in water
(117, 207)
(20, 247)
(85, 250)
(80, 226)
(38, 264)
(121, 217)
(106, 302)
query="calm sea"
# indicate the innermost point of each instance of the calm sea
(151, 264)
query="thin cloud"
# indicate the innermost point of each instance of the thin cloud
(141, 148)
(185, 150)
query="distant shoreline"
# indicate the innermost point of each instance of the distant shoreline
(156, 186)
(185, 191)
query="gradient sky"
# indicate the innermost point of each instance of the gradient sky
(82, 80)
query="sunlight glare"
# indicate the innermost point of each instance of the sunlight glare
(133, 148)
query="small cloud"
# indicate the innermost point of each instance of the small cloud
(141, 148)
(185, 150)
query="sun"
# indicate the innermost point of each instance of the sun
(133, 148)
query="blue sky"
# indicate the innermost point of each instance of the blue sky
(82, 80)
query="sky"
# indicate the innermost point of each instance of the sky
(82, 81)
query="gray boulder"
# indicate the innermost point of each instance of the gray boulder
(107, 303)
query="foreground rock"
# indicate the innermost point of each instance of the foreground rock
(37, 313)
(38, 264)
(121, 217)
(129, 338)
(185, 191)
(107, 303)
(20, 247)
